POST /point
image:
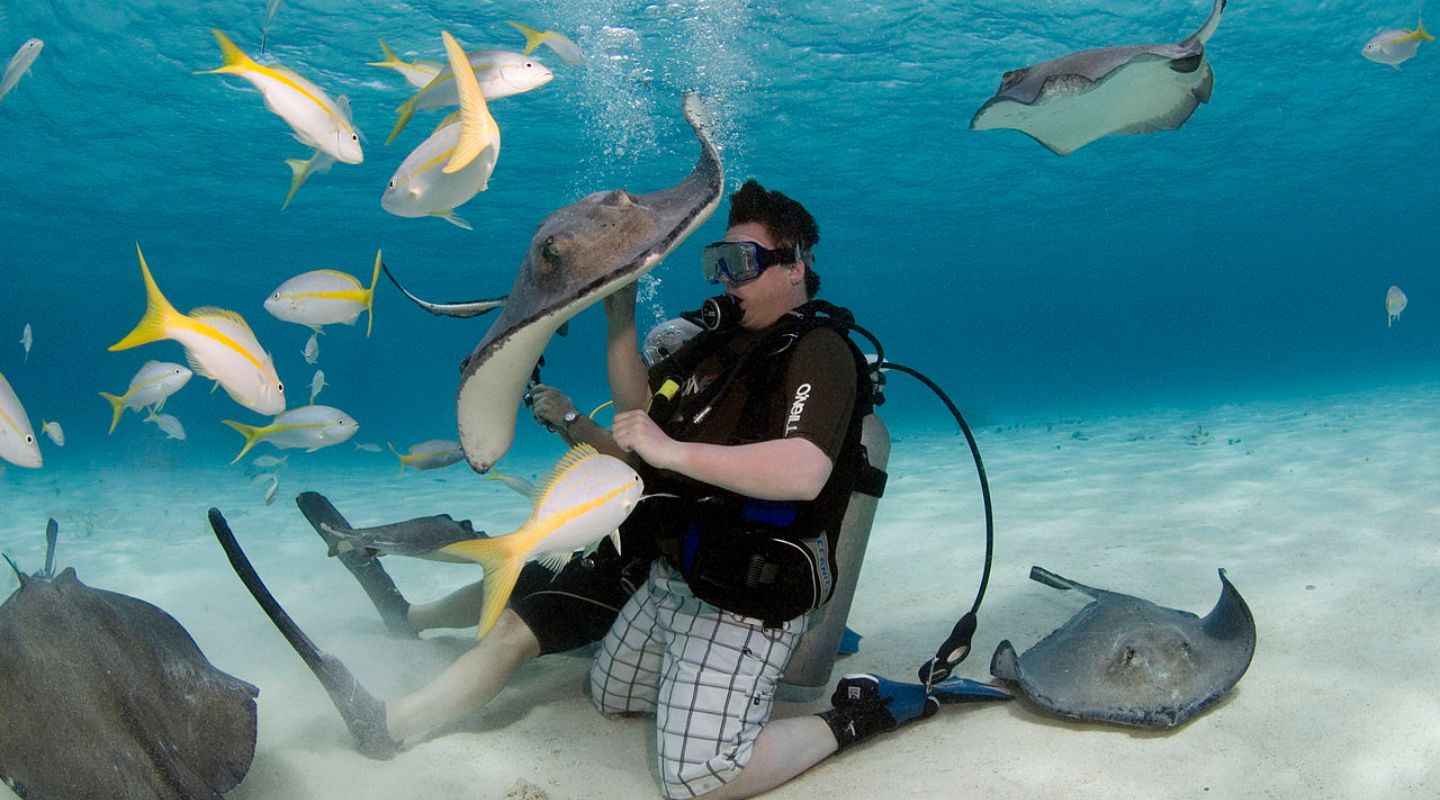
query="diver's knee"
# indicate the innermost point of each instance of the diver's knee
(514, 635)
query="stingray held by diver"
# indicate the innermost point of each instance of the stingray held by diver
(1070, 101)
(1125, 660)
(580, 254)
(103, 695)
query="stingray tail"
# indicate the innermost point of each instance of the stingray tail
(363, 714)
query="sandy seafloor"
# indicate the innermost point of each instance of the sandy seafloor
(1324, 510)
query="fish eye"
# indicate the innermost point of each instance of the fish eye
(29, 439)
(354, 137)
(391, 185)
(280, 387)
(529, 65)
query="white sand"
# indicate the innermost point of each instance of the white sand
(1324, 511)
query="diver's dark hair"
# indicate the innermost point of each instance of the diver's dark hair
(788, 222)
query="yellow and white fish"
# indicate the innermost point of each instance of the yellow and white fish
(431, 454)
(324, 297)
(152, 385)
(17, 438)
(27, 338)
(568, 51)
(219, 345)
(54, 431)
(20, 65)
(310, 427)
(500, 73)
(167, 423)
(318, 121)
(583, 499)
(1395, 302)
(1397, 46)
(417, 73)
(516, 483)
(454, 163)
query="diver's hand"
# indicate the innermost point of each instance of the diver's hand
(620, 304)
(548, 404)
(636, 433)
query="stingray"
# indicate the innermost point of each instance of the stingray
(1125, 660)
(580, 254)
(1070, 101)
(103, 695)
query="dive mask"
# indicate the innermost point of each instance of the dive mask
(742, 262)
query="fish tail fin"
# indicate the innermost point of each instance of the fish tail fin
(502, 564)
(251, 433)
(404, 112)
(299, 171)
(533, 38)
(118, 406)
(400, 456)
(477, 128)
(235, 61)
(370, 296)
(1421, 32)
(159, 313)
(391, 61)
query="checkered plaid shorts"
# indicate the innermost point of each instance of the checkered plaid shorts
(708, 675)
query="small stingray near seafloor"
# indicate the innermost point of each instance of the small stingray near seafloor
(1125, 660)
(1068, 102)
(105, 695)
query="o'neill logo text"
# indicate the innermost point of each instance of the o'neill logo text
(802, 393)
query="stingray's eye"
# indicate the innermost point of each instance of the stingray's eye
(548, 251)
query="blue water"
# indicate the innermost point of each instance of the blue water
(1245, 256)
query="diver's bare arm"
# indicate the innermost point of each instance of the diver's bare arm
(775, 469)
(629, 381)
(587, 431)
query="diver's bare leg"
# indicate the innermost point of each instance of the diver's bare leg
(469, 683)
(459, 609)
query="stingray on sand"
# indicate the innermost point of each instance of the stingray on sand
(1070, 101)
(1126, 660)
(580, 254)
(105, 695)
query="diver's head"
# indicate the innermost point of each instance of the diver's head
(766, 260)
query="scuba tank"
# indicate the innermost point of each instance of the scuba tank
(807, 676)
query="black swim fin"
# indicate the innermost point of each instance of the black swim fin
(393, 607)
(363, 713)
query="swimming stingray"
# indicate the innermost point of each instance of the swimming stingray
(580, 254)
(1128, 661)
(1070, 101)
(104, 695)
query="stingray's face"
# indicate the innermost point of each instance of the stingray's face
(589, 241)
(1011, 78)
(1155, 655)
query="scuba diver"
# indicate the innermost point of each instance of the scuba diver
(754, 429)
